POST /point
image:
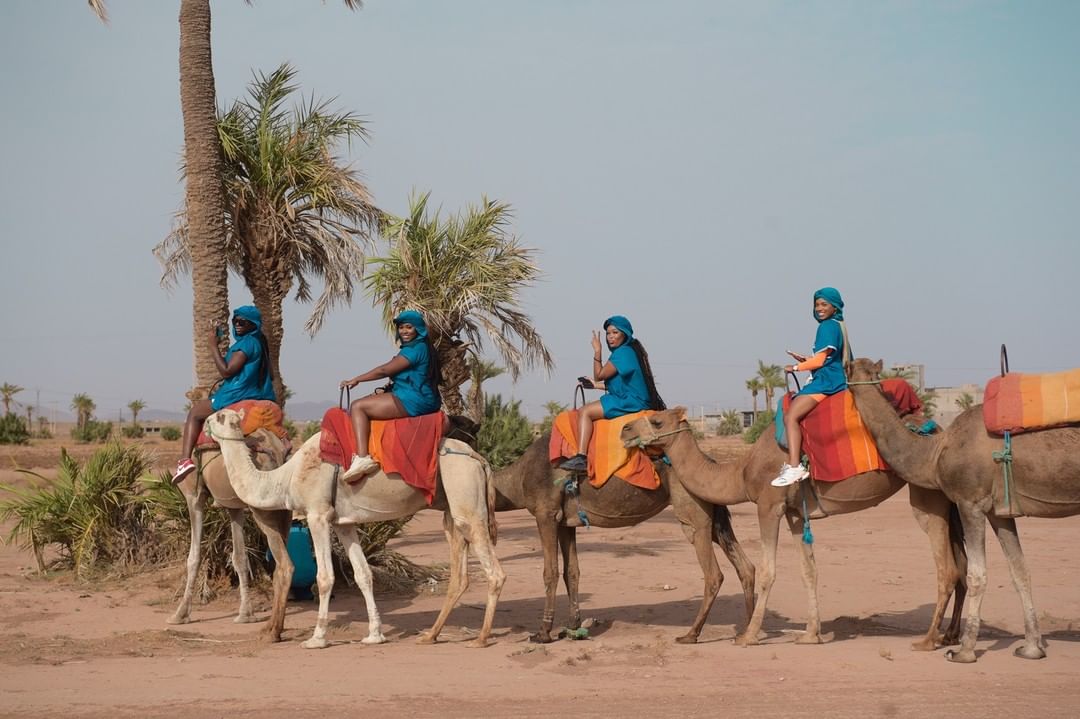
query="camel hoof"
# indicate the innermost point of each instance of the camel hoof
(245, 619)
(374, 639)
(540, 638)
(961, 656)
(425, 639)
(315, 643)
(809, 639)
(178, 619)
(1026, 651)
(924, 645)
(744, 640)
(478, 643)
(686, 639)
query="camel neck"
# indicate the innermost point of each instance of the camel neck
(257, 488)
(510, 485)
(909, 455)
(703, 476)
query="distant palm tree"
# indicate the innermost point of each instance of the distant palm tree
(965, 401)
(84, 409)
(30, 416)
(772, 377)
(479, 372)
(755, 386)
(7, 394)
(465, 274)
(553, 409)
(136, 406)
(296, 214)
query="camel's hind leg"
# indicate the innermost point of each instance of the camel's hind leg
(362, 574)
(548, 529)
(808, 565)
(769, 528)
(975, 540)
(724, 535)
(571, 572)
(1005, 529)
(931, 510)
(275, 525)
(196, 515)
(240, 564)
(459, 578)
(319, 524)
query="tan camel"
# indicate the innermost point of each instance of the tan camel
(748, 480)
(312, 488)
(213, 481)
(960, 461)
(531, 483)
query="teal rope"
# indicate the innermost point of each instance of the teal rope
(807, 535)
(1005, 456)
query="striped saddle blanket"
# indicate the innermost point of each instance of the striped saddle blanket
(607, 456)
(1018, 402)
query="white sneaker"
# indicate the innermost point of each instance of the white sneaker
(790, 475)
(360, 466)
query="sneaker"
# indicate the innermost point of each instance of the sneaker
(183, 468)
(577, 463)
(790, 475)
(360, 466)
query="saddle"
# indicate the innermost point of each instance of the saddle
(607, 457)
(1018, 402)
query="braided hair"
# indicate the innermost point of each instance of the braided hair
(656, 402)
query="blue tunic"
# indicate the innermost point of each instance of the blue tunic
(245, 384)
(412, 385)
(830, 378)
(626, 391)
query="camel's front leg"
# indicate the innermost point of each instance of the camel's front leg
(319, 524)
(479, 539)
(975, 540)
(196, 515)
(931, 510)
(1005, 529)
(547, 525)
(459, 577)
(808, 565)
(275, 525)
(362, 574)
(724, 535)
(571, 572)
(769, 529)
(240, 564)
(696, 520)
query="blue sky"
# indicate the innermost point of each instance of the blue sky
(701, 167)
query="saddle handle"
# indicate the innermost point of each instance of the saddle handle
(1004, 360)
(579, 391)
(346, 395)
(790, 377)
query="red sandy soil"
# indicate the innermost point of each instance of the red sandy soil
(104, 650)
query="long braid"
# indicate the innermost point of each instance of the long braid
(656, 402)
(264, 368)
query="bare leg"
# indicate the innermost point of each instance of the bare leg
(799, 408)
(200, 410)
(374, 406)
(586, 416)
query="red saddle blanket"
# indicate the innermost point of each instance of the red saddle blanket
(607, 455)
(1019, 402)
(407, 447)
(254, 414)
(836, 440)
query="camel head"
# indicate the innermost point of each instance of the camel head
(225, 424)
(656, 430)
(863, 370)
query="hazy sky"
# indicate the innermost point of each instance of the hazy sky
(701, 167)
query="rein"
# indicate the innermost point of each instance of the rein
(642, 442)
(869, 381)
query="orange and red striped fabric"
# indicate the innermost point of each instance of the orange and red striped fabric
(1020, 402)
(836, 440)
(607, 455)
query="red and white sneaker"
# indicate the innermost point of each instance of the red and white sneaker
(183, 468)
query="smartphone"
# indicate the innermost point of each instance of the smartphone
(585, 382)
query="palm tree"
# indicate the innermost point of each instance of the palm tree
(136, 406)
(772, 377)
(553, 410)
(465, 275)
(30, 416)
(965, 401)
(754, 385)
(480, 371)
(84, 408)
(7, 395)
(294, 211)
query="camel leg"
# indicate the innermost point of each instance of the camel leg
(724, 535)
(959, 554)
(459, 577)
(275, 525)
(547, 526)
(319, 524)
(931, 510)
(364, 579)
(571, 572)
(769, 529)
(1005, 529)
(808, 565)
(697, 524)
(240, 564)
(196, 514)
(476, 534)
(975, 540)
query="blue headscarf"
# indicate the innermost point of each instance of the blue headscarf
(832, 296)
(251, 314)
(622, 324)
(413, 318)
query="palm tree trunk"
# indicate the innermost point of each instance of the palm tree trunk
(266, 274)
(204, 193)
(455, 372)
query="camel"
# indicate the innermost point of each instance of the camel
(531, 483)
(960, 462)
(269, 453)
(748, 480)
(313, 489)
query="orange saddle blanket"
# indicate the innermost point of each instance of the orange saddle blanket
(607, 456)
(257, 414)
(1019, 402)
(836, 440)
(407, 447)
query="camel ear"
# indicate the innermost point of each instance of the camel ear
(878, 367)
(680, 413)
(240, 413)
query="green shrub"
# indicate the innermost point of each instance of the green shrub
(290, 428)
(93, 431)
(505, 433)
(133, 431)
(13, 430)
(170, 433)
(730, 423)
(310, 429)
(763, 423)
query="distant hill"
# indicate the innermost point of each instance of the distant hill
(308, 411)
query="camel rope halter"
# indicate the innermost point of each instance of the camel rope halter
(642, 441)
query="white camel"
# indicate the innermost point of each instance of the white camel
(313, 489)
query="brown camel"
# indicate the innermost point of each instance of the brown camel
(748, 480)
(960, 461)
(211, 480)
(531, 483)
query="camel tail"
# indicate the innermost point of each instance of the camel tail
(956, 538)
(489, 481)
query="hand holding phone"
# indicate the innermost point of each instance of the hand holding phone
(585, 382)
(798, 357)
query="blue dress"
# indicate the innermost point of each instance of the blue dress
(245, 384)
(412, 386)
(626, 391)
(830, 378)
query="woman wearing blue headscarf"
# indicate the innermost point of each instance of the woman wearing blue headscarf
(414, 372)
(245, 371)
(831, 355)
(626, 378)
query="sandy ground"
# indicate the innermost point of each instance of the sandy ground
(104, 650)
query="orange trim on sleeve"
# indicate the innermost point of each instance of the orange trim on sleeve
(815, 362)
